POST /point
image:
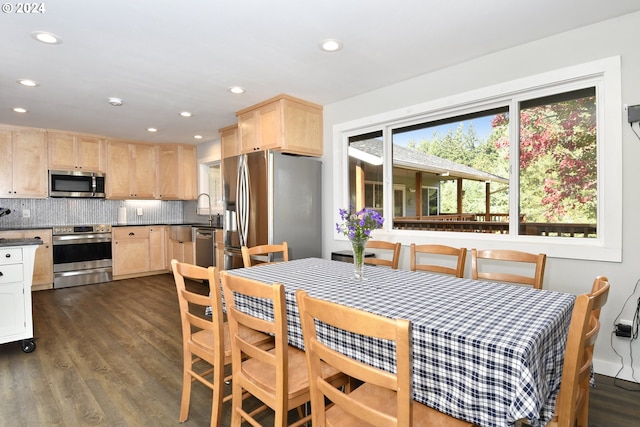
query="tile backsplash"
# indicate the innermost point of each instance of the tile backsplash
(67, 211)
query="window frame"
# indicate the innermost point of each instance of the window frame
(204, 187)
(604, 74)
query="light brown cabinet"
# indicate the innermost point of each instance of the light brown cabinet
(229, 141)
(282, 123)
(182, 251)
(131, 170)
(157, 248)
(23, 162)
(177, 172)
(130, 250)
(138, 250)
(71, 151)
(43, 264)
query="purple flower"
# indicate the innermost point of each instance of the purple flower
(359, 225)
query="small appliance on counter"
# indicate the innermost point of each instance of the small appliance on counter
(4, 211)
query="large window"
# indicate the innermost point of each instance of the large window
(537, 163)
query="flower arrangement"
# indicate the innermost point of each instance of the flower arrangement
(358, 225)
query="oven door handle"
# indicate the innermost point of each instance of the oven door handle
(76, 240)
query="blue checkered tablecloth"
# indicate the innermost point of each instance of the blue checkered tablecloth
(485, 352)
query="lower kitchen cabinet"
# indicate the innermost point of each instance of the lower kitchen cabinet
(157, 248)
(43, 265)
(130, 250)
(138, 250)
(182, 251)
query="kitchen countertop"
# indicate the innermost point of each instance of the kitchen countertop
(19, 242)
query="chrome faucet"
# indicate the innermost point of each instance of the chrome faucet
(198, 203)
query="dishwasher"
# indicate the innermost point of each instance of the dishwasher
(205, 246)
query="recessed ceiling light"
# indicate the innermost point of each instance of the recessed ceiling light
(116, 102)
(185, 114)
(236, 89)
(45, 37)
(331, 45)
(152, 130)
(28, 82)
(197, 136)
(20, 110)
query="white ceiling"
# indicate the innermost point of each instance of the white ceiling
(163, 56)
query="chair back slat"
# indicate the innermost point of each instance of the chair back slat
(492, 256)
(265, 254)
(459, 256)
(389, 249)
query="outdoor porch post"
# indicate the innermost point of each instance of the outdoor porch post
(419, 194)
(359, 186)
(487, 201)
(459, 196)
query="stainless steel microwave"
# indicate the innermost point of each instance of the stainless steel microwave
(76, 184)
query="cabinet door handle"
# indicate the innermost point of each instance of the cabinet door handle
(7, 256)
(1, 274)
(132, 234)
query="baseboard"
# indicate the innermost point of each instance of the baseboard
(611, 370)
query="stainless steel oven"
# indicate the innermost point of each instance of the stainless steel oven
(81, 255)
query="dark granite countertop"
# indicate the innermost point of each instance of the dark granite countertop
(48, 227)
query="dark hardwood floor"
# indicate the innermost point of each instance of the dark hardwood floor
(111, 355)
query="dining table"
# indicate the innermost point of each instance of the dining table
(485, 352)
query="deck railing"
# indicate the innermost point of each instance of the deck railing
(475, 223)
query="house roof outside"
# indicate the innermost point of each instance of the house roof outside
(408, 158)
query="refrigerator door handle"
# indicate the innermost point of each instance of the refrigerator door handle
(242, 199)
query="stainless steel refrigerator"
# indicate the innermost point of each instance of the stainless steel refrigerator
(270, 197)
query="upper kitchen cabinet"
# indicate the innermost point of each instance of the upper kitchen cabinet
(282, 123)
(72, 151)
(229, 141)
(23, 162)
(177, 172)
(131, 170)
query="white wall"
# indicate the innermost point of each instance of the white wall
(607, 39)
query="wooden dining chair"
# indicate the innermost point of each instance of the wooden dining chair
(572, 405)
(439, 252)
(265, 254)
(204, 339)
(389, 249)
(494, 257)
(384, 399)
(277, 377)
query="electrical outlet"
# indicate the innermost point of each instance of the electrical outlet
(26, 213)
(633, 113)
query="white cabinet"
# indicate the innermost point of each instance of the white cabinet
(16, 272)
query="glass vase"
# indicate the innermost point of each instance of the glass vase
(358, 257)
